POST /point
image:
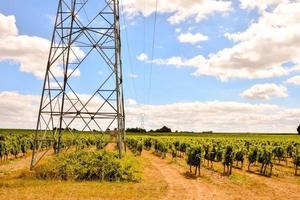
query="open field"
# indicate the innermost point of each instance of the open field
(164, 173)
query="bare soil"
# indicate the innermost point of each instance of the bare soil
(211, 184)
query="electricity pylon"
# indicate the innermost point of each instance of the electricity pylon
(83, 82)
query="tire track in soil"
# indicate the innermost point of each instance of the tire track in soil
(179, 186)
(20, 164)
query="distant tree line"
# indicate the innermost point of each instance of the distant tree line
(163, 129)
(136, 130)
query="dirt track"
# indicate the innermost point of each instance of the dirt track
(211, 185)
(15, 165)
(180, 186)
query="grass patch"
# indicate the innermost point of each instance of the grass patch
(82, 165)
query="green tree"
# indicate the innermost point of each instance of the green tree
(164, 129)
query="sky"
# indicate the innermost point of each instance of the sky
(209, 65)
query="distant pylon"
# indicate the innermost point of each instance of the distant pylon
(83, 82)
(143, 121)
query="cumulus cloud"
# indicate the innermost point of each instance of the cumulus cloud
(30, 52)
(20, 111)
(179, 10)
(142, 57)
(265, 91)
(216, 116)
(191, 38)
(295, 80)
(261, 51)
(261, 5)
(7, 26)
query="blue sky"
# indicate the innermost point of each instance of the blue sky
(177, 83)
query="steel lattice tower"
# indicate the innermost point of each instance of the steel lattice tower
(84, 58)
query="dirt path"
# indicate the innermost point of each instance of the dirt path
(22, 163)
(14, 165)
(243, 185)
(110, 146)
(180, 186)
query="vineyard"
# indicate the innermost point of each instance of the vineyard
(159, 164)
(15, 143)
(258, 154)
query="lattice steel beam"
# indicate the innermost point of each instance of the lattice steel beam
(85, 41)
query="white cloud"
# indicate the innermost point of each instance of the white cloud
(191, 38)
(142, 57)
(295, 80)
(20, 111)
(216, 116)
(261, 51)
(132, 75)
(179, 10)
(30, 52)
(178, 30)
(8, 26)
(56, 85)
(177, 61)
(17, 110)
(261, 5)
(265, 91)
(131, 102)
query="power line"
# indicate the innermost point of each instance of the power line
(142, 114)
(144, 50)
(130, 63)
(128, 49)
(152, 52)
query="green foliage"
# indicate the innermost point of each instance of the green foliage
(183, 147)
(164, 129)
(278, 152)
(265, 158)
(160, 148)
(135, 145)
(136, 130)
(252, 157)
(101, 142)
(147, 143)
(2, 149)
(194, 156)
(224, 147)
(173, 152)
(239, 156)
(82, 165)
(228, 156)
(19, 142)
